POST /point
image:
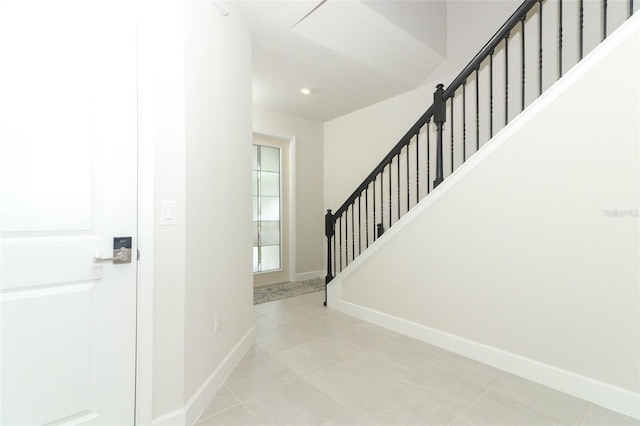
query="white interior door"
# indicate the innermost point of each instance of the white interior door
(68, 183)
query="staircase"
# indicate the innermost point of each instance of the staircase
(525, 57)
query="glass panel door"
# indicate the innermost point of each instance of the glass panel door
(267, 229)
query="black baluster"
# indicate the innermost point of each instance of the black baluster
(490, 94)
(346, 237)
(417, 168)
(428, 155)
(366, 214)
(477, 108)
(390, 194)
(540, 50)
(506, 79)
(360, 224)
(630, 8)
(408, 180)
(373, 224)
(581, 44)
(382, 195)
(353, 232)
(439, 117)
(340, 241)
(451, 127)
(604, 19)
(329, 232)
(559, 38)
(335, 262)
(524, 18)
(398, 160)
(464, 121)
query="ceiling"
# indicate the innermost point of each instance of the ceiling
(349, 53)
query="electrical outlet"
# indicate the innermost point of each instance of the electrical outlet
(217, 321)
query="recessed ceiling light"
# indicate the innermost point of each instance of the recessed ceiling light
(305, 91)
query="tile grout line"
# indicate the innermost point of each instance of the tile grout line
(200, 420)
(459, 416)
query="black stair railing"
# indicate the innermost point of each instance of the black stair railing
(404, 176)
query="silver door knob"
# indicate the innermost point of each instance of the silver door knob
(121, 255)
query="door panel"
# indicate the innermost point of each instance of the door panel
(274, 210)
(68, 142)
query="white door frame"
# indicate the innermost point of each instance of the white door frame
(144, 341)
(146, 220)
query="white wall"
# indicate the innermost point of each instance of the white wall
(515, 260)
(218, 195)
(201, 130)
(163, 66)
(466, 34)
(309, 214)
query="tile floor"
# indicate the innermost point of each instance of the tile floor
(315, 366)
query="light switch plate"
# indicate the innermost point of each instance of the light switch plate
(168, 213)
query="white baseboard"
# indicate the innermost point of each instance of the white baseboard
(188, 414)
(309, 275)
(600, 393)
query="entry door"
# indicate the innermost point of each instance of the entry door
(68, 186)
(271, 198)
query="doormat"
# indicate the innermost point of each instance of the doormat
(269, 293)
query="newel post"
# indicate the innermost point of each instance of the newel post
(329, 231)
(439, 117)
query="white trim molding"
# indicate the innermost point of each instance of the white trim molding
(188, 414)
(303, 276)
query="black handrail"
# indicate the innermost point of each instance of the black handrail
(340, 251)
(385, 161)
(489, 48)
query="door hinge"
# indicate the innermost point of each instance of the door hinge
(138, 254)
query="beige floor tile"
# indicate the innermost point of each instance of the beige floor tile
(340, 320)
(253, 354)
(416, 347)
(380, 401)
(223, 401)
(311, 365)
(494, 409)
(277, 305)
(313, 328)
(278, 339)
(459, 422)
(314, 299)
(296, 314)
(387, 360)
(562, 407)
(264, 323)
(443, 389)
(348, 342)
(307, 357)
(414, 413)
(236, 416)
(345, 418)
(296, 403)
(256, 376)
(375, 332)
(347, 381)
(468, 368)
(599, 416)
